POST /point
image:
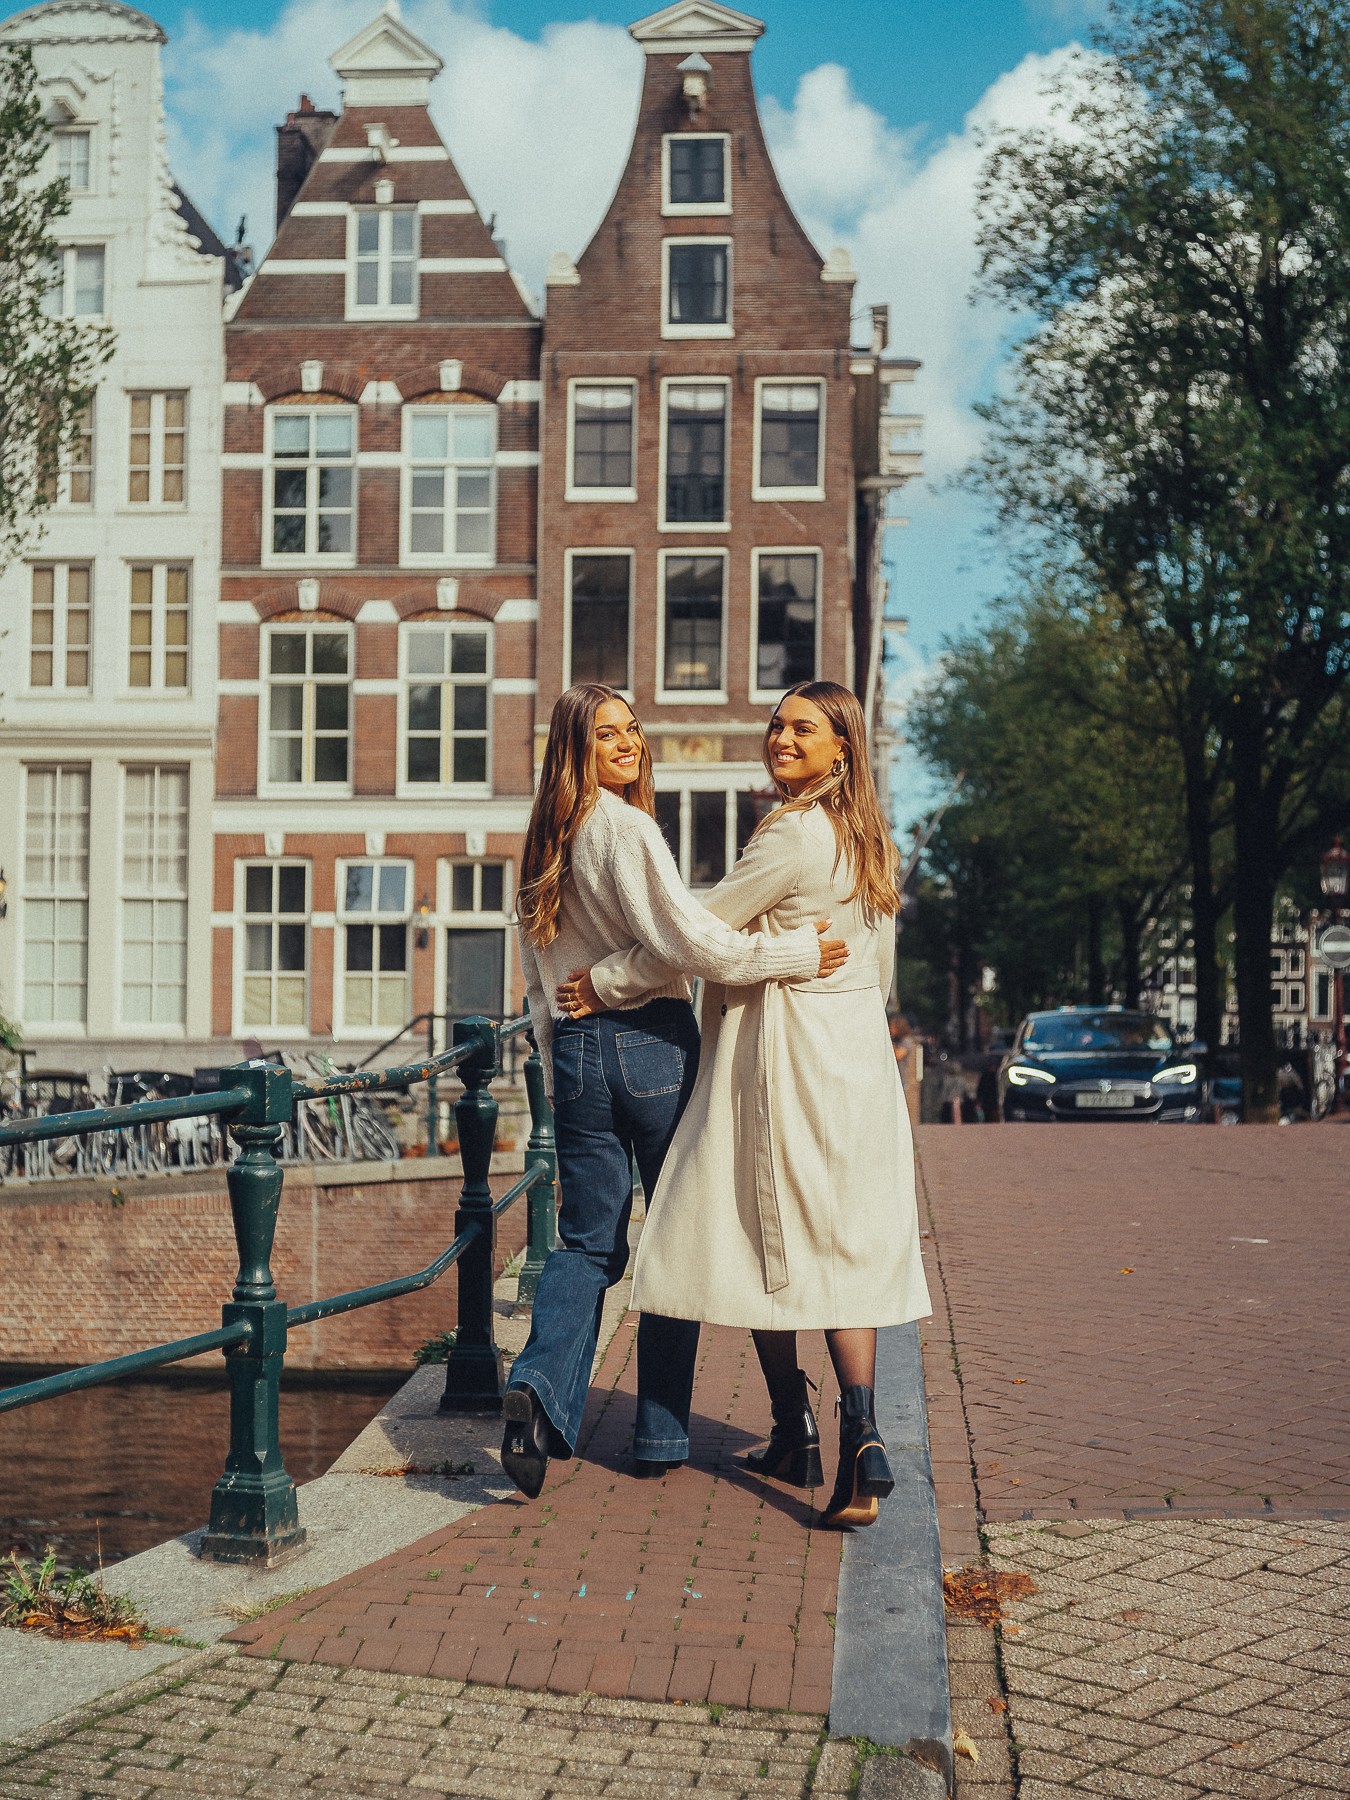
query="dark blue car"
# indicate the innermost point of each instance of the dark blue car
(1100, 1062)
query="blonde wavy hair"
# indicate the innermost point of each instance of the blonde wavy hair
(848, 796)
(564, 800)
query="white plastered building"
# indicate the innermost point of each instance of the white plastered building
(109, 648)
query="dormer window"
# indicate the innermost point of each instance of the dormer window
(382, 263)
(697, 287)
(696, 173)
(73, 158)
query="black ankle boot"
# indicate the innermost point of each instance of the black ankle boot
(526, 1440)
(864, 1476)
(792, 1453)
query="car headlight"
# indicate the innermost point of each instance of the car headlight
(1021, 1073)
(1179, 1075)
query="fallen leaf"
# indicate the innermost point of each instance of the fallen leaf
(1127, 1271)
(1019, 1381)
(997, 1706)
(1013, 1481)
(1132, 1613)
(978, 1593)
(964, 1745)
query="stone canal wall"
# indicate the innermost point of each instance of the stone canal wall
(95, 1269)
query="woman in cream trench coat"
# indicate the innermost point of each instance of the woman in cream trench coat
(787, 1200)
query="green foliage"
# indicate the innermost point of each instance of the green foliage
(49, 364)
(77, 1605)
(436, 1349)
(1065, 840)
(1177, 426)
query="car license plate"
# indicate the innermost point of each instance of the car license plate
(1097, 1101)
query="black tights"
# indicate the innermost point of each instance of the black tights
(853, 1353)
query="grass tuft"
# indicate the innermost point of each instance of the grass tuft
(77, 1605)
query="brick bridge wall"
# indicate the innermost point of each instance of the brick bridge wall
(89, 1277)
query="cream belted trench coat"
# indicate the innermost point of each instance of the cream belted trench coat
(786, 1202)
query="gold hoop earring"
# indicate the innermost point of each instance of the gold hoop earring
(841, 763)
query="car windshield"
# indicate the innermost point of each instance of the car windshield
(1097, 1031)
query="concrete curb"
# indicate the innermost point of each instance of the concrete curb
(890, 1648)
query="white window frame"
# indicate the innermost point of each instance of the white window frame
(297, 559)
(67, 254)
(155, 896)
(156, 467)
(66, 468)
(343, 919)
(672, 329)
(698, 526)
(770, 696)
(305, 919)
(159, 646)
(383, 309)
(306, 784)
(812, 491)
(573, 551)
(446, 559)
(573, 491)
(689, 696)
(55, 1027)
(706, 783)
(60, 627)
(686, 209)
(74, 128)
(448, 920)
(413, 790)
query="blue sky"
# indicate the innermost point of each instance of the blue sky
(872, 109)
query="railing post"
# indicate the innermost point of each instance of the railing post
(253, 1510)
(473, 1371)
(433, 1098)
(540, 1151)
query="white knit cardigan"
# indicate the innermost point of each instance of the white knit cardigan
(624, 889)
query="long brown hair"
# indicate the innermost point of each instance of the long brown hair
(564, 799)
(849, 798)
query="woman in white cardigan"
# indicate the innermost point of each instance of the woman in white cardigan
(597, 877)
(787, 1200)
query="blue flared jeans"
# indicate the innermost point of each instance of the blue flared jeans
(620, 1082)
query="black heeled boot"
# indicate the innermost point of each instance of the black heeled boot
(792, 1453)
(864, 1478)
(527, 1439)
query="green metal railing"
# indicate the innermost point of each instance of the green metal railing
(253, 1509)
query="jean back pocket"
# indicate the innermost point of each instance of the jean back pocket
(651, 1065)
(569, 1064)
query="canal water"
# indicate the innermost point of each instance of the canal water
(118, 1469)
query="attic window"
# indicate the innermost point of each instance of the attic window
(382, 263)
(696, 175)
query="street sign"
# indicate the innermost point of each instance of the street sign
(1334, 946)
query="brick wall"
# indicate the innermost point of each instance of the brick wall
(87, 1279)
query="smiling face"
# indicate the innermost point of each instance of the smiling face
(618, 746)
(803, 745)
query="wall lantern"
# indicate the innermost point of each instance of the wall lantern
(696, 69)
(423, 923)
(1335, 871)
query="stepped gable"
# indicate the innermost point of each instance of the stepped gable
(385, 149)
(771, 250)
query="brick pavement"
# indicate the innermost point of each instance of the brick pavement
(1208, 1379)
(1146, 1319)
(272, 1730)
(710, 1585)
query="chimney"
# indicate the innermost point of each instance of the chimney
(299, 142)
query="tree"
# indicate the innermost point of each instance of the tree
(47, 364)
(1066, 841)
(1178, 422)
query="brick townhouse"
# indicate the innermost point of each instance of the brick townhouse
(378, 604)
(716, 455)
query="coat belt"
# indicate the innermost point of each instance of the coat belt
(773, 1249)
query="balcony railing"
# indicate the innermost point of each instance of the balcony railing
(253, 1507)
